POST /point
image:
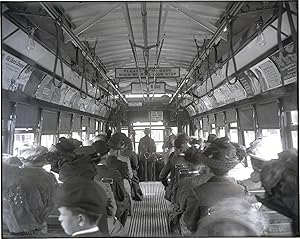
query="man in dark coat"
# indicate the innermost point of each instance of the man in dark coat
(146, 148)
(82, 205)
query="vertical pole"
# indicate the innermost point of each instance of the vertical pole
(38, 134)
(58, 122)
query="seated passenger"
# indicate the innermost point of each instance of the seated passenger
(220, 158)
(115, 144)
(70, 159)
(28, 193)
(232, 217)
(100, 145)
(127, 151)
(279, 177)
(209, 140)
(12, 160)
(185, 185)
(82, 207)
(115, 228)
(168, 146)
(181, 145)
(121, 196)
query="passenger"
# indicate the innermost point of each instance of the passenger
(209, 140)
(115, 144)
(28, 193)
(12, 160)
(196, 143)
(132, 138)
(184, 186)
(70, 159)
(232, 217)
(82, 205)
(146, 149)
(279, 177)
(181, 145)
(118, 162)
(127, 152)
(115, 228)
(121, 196)
(100, 145)
(220, 158)
(168, 146)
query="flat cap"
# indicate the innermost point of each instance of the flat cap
(81, 193)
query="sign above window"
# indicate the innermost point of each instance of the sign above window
(160, 88)
(163, 72)
(156, 115)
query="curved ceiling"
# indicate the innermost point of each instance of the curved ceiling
(154, 34)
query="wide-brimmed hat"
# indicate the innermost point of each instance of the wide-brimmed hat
(116, 141)
(221, 154)
(180, 140)
(34, 155)
(67, 145)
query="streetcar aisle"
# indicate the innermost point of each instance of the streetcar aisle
(149, 217)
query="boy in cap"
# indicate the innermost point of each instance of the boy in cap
(81, 204)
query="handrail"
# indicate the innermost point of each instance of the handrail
(132, 44)
(233, 11)
(95, 62)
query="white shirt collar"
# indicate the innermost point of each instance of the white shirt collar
(93, 229)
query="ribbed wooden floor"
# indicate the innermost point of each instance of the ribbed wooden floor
(149, 217)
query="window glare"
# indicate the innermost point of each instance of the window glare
(294, 116)
(295, 139)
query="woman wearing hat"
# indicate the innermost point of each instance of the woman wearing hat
(28, 192)
(119, 162)
(181, 145)
(220, 158)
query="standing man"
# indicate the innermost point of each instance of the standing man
(168, 146)
(146, 148)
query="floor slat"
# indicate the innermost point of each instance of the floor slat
(149, 217)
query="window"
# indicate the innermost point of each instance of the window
(272, 145)
(294, 117)
(213, 129)
(221, 132)
(84, 129)
(294, 128)
(22, 138)
(91, 136)
(249, 137)
(157, 133)
(205, 135)
(64, 135)
(233, 132)
(76, 135)
(47, 140)
(295, 139)
(125, 131)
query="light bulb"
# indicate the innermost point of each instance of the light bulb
(260, 39)
(221, 72)
(30, 41)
